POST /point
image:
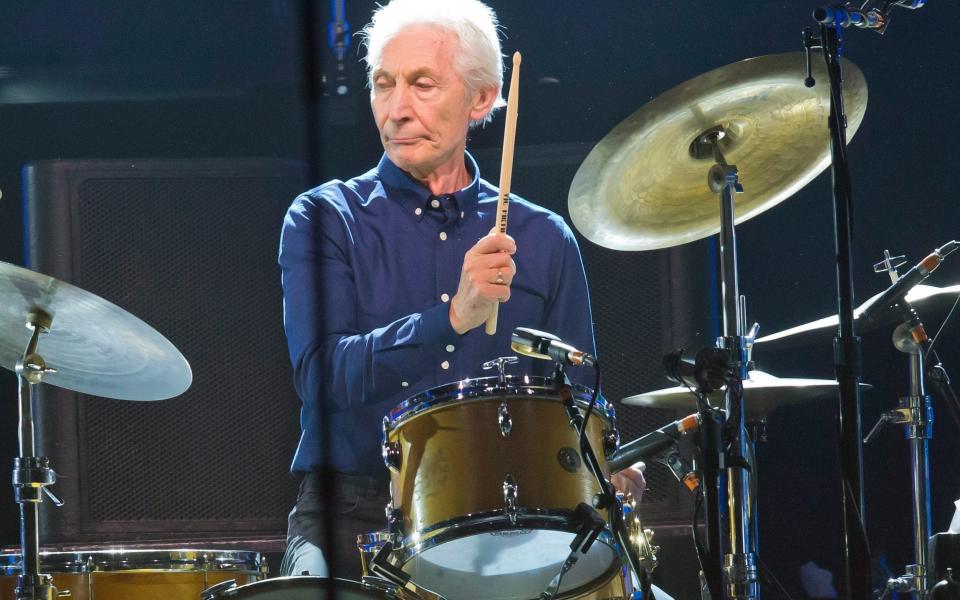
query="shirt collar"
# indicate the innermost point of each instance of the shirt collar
(413, 194)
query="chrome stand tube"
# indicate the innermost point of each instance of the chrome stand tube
(739, 563)
(31, 474)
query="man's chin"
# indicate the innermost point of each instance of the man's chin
(407, 158)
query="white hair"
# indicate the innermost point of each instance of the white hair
(478, 57)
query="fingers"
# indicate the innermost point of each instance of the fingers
(495, 242)
(631, 480)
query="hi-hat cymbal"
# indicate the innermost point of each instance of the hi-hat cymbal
(762, 394)
(641, 188)
(96, 347)
(921, 297)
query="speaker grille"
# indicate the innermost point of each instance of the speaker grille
(190, 248)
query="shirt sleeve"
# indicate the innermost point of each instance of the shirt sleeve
(567, 312)
(333, 361)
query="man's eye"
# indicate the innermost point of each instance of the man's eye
(382, 84)
(425, 85)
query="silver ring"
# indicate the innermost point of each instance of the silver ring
(500, 279)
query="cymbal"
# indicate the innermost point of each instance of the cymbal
(921, 297)
(640, 188)
(762, 394)
(96, 347)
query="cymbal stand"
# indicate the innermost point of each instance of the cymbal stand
(915, 413)
(739, 561)
(31, 474)
(846, 346)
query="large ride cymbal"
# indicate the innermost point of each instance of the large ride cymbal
(762, 394)
(640, 188)
(921, 297)
(96, 347)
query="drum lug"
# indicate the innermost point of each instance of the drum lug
(504, 420)
(510, 492)
(394, 520)
(611, 442)
(391, 455)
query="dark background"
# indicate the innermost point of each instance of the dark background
(183, 79)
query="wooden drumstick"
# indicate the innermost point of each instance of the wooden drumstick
(506, 169)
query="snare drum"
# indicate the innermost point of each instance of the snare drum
(484, 478)
(135, 574)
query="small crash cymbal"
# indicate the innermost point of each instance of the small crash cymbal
(642, 188)
(922, 297)
(96, 347)
(762, 394)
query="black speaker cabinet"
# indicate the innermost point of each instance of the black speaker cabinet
(190, 247)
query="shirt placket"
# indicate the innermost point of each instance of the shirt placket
(446, 260)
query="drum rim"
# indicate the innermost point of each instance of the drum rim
(490, 387)
(292, 581)
(127, 560)
(488, 522)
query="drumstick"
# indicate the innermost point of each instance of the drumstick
(506, 169)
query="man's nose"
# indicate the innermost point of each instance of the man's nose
(400, 103)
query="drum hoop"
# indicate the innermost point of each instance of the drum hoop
(291, 582)
(96, 561)
(489, 522)
(490, 387)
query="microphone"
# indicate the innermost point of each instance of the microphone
(540, 344)
(850, 17)
(907, 281)
(653, 444)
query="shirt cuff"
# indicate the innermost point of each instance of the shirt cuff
(435, 327)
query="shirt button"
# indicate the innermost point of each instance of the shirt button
(461, 214)
(450, 348)
(418, 212)
(445, 297)
(443, 235)
(404, 384)
(445, 365)
(435, 203)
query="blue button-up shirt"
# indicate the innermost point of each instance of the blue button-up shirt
(368, 270)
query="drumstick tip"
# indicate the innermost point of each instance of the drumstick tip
(516, 58)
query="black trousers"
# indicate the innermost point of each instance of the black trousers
(323, 526)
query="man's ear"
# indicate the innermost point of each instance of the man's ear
(483, 101)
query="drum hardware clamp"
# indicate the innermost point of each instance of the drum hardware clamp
(589, 524)
(390, 451)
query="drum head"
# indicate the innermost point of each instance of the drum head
(507, 565)
(302, 588)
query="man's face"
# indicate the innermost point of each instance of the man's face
(420, 103)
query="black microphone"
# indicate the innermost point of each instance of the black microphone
(907, 281)
(540, 344)
(653, 444)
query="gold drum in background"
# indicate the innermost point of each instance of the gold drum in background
(485, 474)
(135, 574)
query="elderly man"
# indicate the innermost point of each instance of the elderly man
(388, 277)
